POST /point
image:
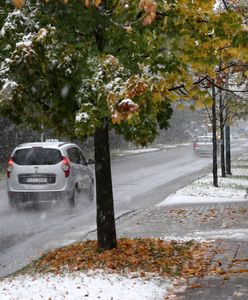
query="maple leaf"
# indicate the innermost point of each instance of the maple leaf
(127, 105)
(18, 3)
(123, 110)
(97, 2)
(135, 86)
(86, 3)
(111, 98)
(149, 7)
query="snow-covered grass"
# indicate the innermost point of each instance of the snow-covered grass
(134, 151)
(239, 234)
(79, 285)
(143, 150)
(231, 188)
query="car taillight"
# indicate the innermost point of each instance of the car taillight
(9, 167)
(196, 146)
(66, 166)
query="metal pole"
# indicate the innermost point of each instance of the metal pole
(228, 150)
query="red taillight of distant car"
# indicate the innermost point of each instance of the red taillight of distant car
(195, 146)
(66, 166)
(9, 167)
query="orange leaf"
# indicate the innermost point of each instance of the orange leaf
(97, 2)
(86, 3)
(195, 286)
(243, 271)
(18, 3)
(142, 274)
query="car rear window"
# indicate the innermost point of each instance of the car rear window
(204, 139)
(37, 156)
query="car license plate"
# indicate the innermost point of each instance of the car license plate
(36, 180)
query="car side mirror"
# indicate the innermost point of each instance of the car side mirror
(91, 161)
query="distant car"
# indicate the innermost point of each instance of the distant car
(203, 145)
(48, 171)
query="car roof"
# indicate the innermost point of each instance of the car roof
(44, 145)
(204, 136)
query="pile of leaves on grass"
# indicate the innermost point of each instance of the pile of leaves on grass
(164, 258)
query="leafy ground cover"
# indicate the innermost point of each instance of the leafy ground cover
(140, 256)
(147, 268)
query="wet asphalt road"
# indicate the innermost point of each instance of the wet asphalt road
(139, 181)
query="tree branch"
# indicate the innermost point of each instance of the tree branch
(225, 89)
(225, 5)
(183, 86)
(208, 113)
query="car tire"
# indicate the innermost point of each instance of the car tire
(14, 203)
(73, 200)
(91, 191)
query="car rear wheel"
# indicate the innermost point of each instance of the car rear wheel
(91, 191)
(14, 203)
(74, 197)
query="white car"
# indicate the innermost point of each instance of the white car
(203, 145)
(48, 171)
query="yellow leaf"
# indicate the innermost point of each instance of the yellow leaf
(180, 106)
(129, 29)
(208, 101)
(192, 107)
(157, 97)
(111, 99)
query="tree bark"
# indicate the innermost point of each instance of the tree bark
(214, 127)
(228, 151)
(106, 231)
(222, 136)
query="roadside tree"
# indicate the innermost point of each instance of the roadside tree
(81, 69)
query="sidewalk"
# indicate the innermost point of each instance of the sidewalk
(227, 276)
(202, 212)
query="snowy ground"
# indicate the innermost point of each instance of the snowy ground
(144, 150)
(231, 188)
(79, 285)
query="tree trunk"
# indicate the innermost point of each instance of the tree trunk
(228, 151)
(222, 137)
(106, 232)
(214, 126)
